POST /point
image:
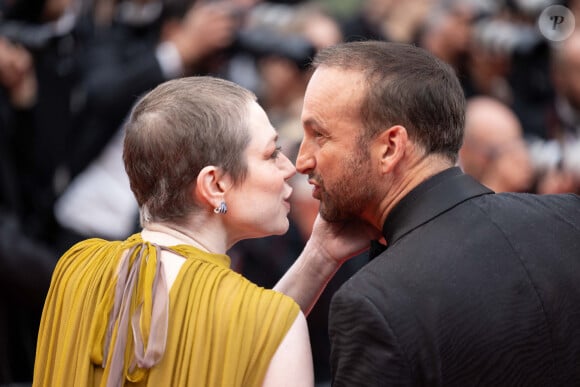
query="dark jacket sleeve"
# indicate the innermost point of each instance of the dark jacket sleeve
(118, 68)
(364, 348)
(26, 264)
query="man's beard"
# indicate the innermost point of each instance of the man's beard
(350, 195)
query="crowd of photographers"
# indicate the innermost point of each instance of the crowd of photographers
(70, 71)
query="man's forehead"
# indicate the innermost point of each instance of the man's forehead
(335, 85)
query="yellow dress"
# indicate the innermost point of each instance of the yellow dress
(108, 320)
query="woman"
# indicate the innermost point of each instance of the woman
(163, 308)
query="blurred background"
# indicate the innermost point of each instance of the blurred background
(70, 71)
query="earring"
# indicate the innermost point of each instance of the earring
(221, 209)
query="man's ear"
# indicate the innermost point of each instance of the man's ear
(391, 146)
(212, 184)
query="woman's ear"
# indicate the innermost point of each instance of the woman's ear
(391, 146)
(212, 185)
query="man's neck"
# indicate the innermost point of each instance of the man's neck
(405, 180)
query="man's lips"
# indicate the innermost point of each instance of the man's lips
(316, 190)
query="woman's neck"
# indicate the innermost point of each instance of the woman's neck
(164, 233)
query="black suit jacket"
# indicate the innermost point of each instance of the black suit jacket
(474, 289)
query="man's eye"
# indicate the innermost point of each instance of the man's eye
(318, 134)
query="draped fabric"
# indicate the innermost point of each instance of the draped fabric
(109, 320)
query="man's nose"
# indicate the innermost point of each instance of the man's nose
(304, 161)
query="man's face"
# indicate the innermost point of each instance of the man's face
(331, 154)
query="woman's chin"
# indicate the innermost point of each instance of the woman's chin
(281, 228)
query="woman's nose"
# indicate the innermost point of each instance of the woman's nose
(288, 167)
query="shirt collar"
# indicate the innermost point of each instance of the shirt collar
(432, 197)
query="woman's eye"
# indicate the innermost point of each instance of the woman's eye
(276, 152)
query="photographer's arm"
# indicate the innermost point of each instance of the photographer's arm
(204, 30)
(329, 246)
(17, 74)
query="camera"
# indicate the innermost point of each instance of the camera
(263, 41)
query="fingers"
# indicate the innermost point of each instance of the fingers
(17, 74)
(15, 63)
(208, 28)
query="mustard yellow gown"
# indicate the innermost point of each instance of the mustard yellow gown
(108, 320)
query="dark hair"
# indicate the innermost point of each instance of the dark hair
(408, 86)
(176, 130)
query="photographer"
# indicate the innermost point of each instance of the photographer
(510, 60)
(37, 79)
(42, 39)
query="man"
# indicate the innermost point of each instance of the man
(494, 151)
(473, 288)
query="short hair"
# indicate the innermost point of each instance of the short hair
(176, 130)
(408, 86)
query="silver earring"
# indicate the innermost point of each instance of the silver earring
(221, 209)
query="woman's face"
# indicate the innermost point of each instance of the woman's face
(259, 206)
